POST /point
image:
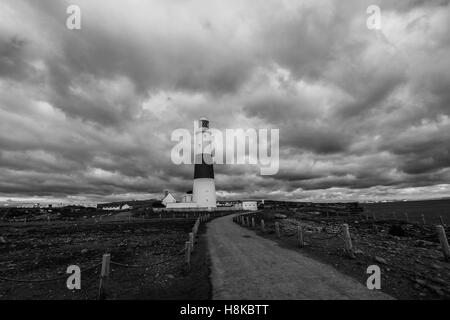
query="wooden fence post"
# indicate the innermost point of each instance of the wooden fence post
(347, 240)
(444, 242)
(104, 276)
(191, 240)
(253, 222)
(442, 221)
(300, 239)
(187, 255)
(263, 227)
(423, 219)
(277, 229)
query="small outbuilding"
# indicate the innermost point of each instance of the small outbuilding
(249, 206)
(168, 198)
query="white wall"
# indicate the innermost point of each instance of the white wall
(250, 205)
(180, 205)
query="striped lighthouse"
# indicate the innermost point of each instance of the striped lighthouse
(204, 192)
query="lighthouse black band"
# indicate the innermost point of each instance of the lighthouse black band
(203, 170)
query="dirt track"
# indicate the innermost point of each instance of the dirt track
(246, 266)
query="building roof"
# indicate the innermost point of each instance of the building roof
(169, 199)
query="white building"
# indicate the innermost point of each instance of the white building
(187, 198)
(112, 208)
(168, 198)
(249, 205)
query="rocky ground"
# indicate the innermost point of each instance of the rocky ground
(44, 250)
(409, 255)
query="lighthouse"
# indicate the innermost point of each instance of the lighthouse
(204, 192)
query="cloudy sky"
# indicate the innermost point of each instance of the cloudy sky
(87, 115)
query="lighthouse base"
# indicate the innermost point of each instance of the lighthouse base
(204, 193)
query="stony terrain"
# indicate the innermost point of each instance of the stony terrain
(44, 250)
(409, 255)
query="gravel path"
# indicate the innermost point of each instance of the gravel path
(246, 266)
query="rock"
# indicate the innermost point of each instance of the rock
(436, 289)
(421, 282)
(280, 216)
(380, 260)
(437, 267)
(397, 230)
(423, 243)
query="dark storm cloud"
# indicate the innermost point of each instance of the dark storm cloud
(87, 115)
(12, 63)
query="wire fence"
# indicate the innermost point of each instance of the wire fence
(148, 265)
(64, 277)
(107, 262)
(303, 235)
